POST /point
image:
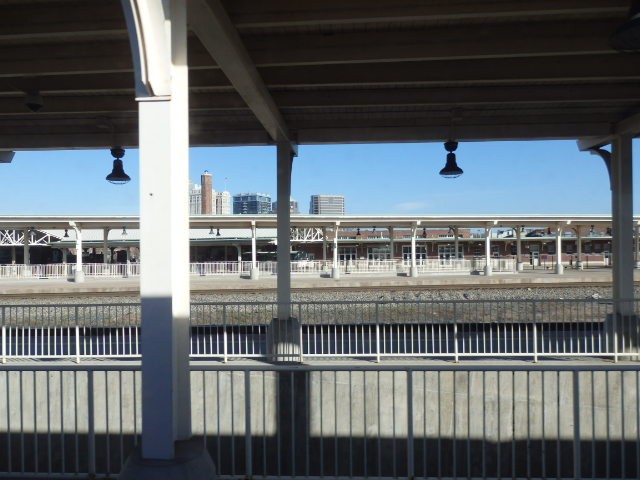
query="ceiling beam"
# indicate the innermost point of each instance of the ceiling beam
(211, 24)
(627, 126)
(248, 14)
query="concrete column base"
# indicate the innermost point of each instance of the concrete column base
(559, 269)
(191, 462)
(255, 273)
(78, 276)
(335, 272)
(413, 271)
(283, 340)
(638, 265)
(519, 266)
(488, 271)
(579, 265)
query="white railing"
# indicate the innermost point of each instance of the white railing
(214, 268)
(336, 421)
(456, 330)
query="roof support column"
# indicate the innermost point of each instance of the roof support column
(413, 270)
(285, 162)
(26, 233)
(519, 264)
(622, 217)
(488, 270)
(106, 254)
(638, 246)
(335, 270)
(456, 243)
(13, 256)
(392, 247)
(158, 38)
(255, 271)
(578, 231)
(78, 276)
(559, 266)
(324, 244)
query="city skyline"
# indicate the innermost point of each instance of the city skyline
(499, 177)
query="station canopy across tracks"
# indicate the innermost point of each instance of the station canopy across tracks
(331, 71)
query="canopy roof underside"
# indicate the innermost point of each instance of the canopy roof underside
(338, 71)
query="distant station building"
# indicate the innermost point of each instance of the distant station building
(326, 205)
(251, 203)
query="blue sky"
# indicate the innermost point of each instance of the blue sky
(543, 177)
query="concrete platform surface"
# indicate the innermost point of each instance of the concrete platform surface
(108, 285)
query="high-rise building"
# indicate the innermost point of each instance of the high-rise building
(223, 203)
(251, 203)
(326, 205)
(203, 199)
(293, 207)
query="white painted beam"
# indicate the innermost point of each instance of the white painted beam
(213, 27)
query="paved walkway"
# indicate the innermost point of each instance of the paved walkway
(202, 284)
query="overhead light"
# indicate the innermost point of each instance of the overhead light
(210, 230)
(451, 168)
(117, 175)
(124, 231)
(33, 101)
(66, 233)
(626, 38)
(424, 232)
(358, 232)
(218, 232)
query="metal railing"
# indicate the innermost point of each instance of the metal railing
(337, 421)
(465, 329)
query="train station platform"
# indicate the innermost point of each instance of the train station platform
(131, 286)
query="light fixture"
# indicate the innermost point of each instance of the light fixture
(549, 231)
(451, 168)
(218, 232)
(609, 231)
(424, 232)
(626, 38)
(117, 175)
(124, 231)
(66, 233)
(210, 230)
(358, 232)
(591, 230)
(33, 101)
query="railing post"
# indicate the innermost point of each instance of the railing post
(455, 335)
(377, 333)
(410, 446)
(224, 334)
(248, 454)
(616, 315)
(535, 333)
(77, 343)
(91, 437)
(300, 331)
(4, 337)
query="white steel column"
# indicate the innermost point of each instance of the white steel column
(335, 270)
(519, 264)
(488, 270)
(622, 216)
(638, 246)
(79, 273)
(578, 231)
(13, 255)
(559, 266)
(64, 255)
(413, 270)
(164, 231)
(456, 242)
(285, 161)
(255, 272)
(392, 246)
(324, 244)
(106, 257)
(26, 234)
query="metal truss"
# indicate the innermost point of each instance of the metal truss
(306, 234)
(15, 238)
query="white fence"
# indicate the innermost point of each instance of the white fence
(336, 421)
(456, 330)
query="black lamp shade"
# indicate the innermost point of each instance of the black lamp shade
(451, 168)
(117, 175)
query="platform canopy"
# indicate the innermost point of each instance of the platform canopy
(327, 71)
